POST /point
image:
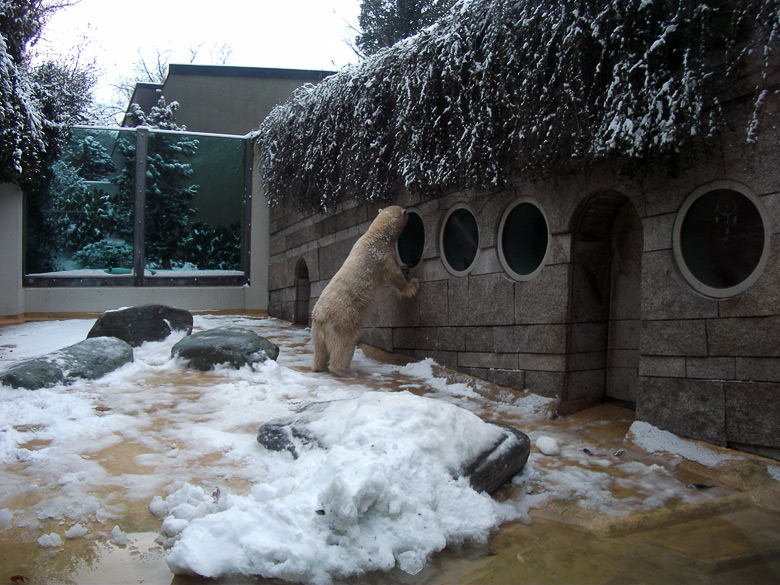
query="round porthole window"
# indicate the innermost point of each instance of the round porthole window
(412, 240)
(721, 239)
(459, 240)
(523, 239)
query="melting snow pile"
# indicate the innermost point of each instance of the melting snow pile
(381, 495)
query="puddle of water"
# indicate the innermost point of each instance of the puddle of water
(731, 548)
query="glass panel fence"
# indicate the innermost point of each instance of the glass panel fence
(194, 208)
(79, 222)
(81, 225)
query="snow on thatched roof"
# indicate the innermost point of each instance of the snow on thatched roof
(519, 86)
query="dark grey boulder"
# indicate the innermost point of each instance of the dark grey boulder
(235, 346)
(489, 470)
(136, 325)
(88, 359)
(501, 462)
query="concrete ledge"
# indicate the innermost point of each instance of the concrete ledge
(610, 526)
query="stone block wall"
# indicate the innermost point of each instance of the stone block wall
(609, 316)
(709, 367)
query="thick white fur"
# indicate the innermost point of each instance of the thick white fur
(348, 298)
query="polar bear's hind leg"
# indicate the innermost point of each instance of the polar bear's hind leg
(321, 353)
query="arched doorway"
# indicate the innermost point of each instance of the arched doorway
(605, 303)
(302, 293)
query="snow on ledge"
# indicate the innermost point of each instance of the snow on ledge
(655, 440)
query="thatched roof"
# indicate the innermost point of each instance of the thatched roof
(500, 87)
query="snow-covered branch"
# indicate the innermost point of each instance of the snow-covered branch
(500, 87)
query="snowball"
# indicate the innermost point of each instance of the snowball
(118, 537)
(548, 446)
(52, 540)
(158, 507)
(173, 526)
(76, 531)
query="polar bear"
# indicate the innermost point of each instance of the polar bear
(348, 298)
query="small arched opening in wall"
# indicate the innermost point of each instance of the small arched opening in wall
(721, 239)
(605, 301)
(459, 240)
(302, 293)
(523, 239)
(411, 242)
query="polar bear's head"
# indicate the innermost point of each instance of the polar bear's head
(390, 221)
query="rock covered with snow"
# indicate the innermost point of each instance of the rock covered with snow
(136, 325)
(234, 346)
(488, 468)
(387, 489)
(88, 359)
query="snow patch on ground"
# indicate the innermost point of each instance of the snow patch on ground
(655, 440)
(424, 370)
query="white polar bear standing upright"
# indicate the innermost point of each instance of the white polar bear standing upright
(348, 298)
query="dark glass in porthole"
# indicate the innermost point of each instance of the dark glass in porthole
(722, 238)
(524, 238)
(411, 241)
(460, 240)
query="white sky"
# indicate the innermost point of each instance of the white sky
(294, 34)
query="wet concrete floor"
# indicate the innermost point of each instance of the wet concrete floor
(732, 536)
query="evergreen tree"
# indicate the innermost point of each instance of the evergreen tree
(169, 189)
(213, 247)
(107, 253)
(77, 213)
(91, 159)
(36, 104)
(64, 92)
(385, 22)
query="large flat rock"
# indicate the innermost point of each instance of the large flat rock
(88, 359)
(135, 325)
(233, 346)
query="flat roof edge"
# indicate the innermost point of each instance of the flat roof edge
(234, 71)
